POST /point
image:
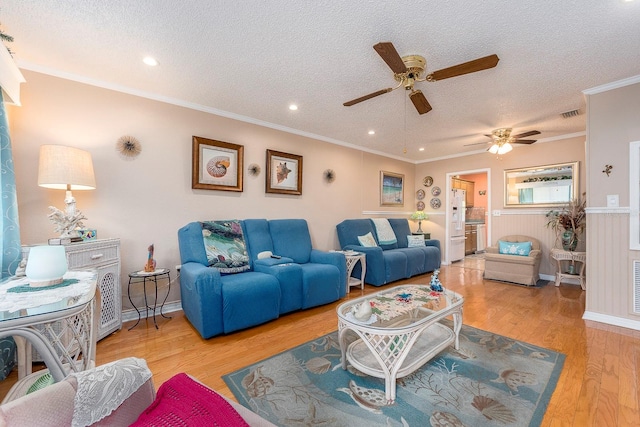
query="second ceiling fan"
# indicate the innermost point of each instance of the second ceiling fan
(408, 70)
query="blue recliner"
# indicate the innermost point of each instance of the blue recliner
(391, 262)
(218, 303)
(302, 277)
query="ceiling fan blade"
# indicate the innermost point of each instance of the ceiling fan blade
(390, 55)
(364, 98)
(526, 134)
(478, 143)
(465, 68)
(524, 141)
(420, 101)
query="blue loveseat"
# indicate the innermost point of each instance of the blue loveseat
(219, 303)
(388, 263)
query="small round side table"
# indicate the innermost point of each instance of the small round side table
(568, 259)
(144, 277)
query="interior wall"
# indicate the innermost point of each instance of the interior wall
(505, 220)
(145, 200)
(613, 122)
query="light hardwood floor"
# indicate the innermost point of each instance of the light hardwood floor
(599, 385)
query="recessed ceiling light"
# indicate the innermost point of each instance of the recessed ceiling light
(150, 61)
(421, 149)
(293, 107)
(372, 132)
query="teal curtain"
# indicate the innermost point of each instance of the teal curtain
(525, 196)
(10, 249)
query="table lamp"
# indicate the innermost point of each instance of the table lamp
(66, 168)
(419, 216)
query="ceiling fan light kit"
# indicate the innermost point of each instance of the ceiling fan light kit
(408, 70)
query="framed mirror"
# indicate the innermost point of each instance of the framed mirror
(541, 186)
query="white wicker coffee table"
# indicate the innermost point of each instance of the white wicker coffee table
(402, 334)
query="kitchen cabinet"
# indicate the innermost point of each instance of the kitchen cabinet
(467, 186)
(471, 241)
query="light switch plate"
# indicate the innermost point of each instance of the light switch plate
(496, 213)
(613, 201)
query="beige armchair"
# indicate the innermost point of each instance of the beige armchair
(513, 268)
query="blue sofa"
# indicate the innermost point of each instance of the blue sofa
(219, 303)
(388, 263)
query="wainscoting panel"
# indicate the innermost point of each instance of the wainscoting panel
(610, 265)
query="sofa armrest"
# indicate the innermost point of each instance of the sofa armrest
(492, 250)
(201, 297)
(433, 242)
(333, 258)
(535, 253)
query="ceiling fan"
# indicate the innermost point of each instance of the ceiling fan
(501, 140)
(409, 69)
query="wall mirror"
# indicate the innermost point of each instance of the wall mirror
(550, 185)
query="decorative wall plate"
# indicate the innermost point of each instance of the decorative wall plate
(435, 191)
(435, 203)
(420, 194)
(420, 206)
(427, 181)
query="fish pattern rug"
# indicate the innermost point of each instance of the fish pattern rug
(491, 380)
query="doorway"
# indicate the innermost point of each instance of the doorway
(479, 198)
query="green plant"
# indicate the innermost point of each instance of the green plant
(572, 217)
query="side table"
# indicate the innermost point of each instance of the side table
(352, 259)
(427, 236)
(143, 277)
(567, 265)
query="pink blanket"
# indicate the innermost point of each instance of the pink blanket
(185, 402)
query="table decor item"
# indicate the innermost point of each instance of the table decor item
(151, 263)
(569, 223)
(46, 265)
(419, 216)
(66, 168)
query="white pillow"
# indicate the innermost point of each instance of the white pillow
(367, 240)
(264, 254)
(415, 241)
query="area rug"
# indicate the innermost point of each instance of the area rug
(490, 381)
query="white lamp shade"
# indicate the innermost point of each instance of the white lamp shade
(65, 168)
(46, 265)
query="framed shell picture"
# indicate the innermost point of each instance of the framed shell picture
(284, 173)
(216, 165)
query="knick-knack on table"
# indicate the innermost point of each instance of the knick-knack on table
(435, 284)
(150, 266)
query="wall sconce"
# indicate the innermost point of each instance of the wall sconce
(482, 192)
(66, 168)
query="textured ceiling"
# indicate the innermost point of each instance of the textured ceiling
(251, 59)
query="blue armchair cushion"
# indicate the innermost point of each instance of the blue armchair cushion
(225, 247)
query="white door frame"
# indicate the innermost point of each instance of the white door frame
(448, 210)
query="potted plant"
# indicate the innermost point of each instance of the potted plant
(569, 222)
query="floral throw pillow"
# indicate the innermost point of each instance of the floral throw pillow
(224, 243)
(511, 248)
(367, 240)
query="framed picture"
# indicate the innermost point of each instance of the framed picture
(284, 173)
(216, 165)
(391, 189)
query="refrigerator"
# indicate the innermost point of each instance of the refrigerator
(457, 224)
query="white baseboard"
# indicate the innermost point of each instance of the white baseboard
(612, 320)
(131, 314)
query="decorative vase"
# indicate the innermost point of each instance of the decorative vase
(569, 240)
(363, 311)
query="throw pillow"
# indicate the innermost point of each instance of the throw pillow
(225, 246)
(512, 248)
(367, 240)
(415, 241)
